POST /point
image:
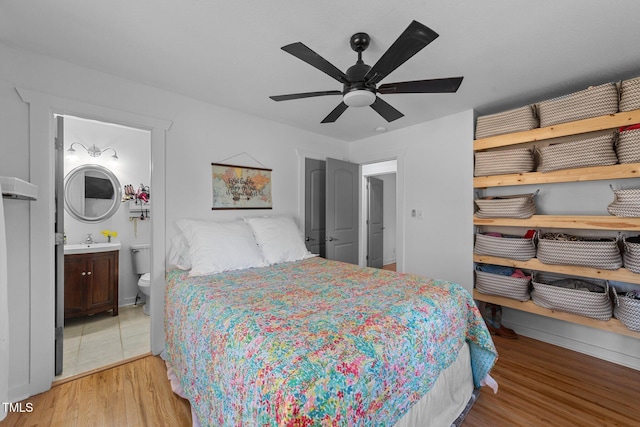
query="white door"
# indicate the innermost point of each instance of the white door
(59, 248)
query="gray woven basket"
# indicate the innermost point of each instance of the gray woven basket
(506, 286)
(630, 94)
(517, 248)
(627, 310)
(628, 146)
(592, 102)
(626, 203)
(514, 206)
(596, 305)
(500, 162)
(518, 119)
(593, 151)
(595, 253)
(631, 255)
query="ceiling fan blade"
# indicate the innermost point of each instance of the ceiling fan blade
(410, 42)
(422, 86)
(304, 95)
(302, 52)
(385, 110)
(337, 112)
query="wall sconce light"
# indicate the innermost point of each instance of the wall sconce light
(92, 151)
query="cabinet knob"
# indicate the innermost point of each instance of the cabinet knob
(89, 273)
(84, 274)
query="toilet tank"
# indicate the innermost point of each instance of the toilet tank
(141, 256)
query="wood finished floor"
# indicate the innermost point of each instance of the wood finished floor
(540, 385)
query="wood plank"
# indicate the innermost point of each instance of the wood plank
(621, 274)
(594, 173)
(542, 384)
(586, 222)
(613, 325)
(594, 124)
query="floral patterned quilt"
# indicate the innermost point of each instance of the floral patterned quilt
(316, 342)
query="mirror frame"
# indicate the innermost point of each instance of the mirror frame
(117, 192)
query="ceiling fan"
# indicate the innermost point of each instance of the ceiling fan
(360, 80)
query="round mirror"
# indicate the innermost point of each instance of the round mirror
(92, 193)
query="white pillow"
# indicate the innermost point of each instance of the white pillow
(179, 252)
(279, 238)
(215, 247)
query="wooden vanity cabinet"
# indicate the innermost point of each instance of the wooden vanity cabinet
(90, 283)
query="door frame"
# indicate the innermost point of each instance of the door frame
(42, 107)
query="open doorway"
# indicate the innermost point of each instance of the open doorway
(379, 211)
(94, 334)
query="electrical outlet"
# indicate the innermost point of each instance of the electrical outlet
(413, 213)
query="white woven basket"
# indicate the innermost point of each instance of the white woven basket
(631, 254)
(517, 248)
(514, 206)
(630, 94)
(626, 203)
(596, 253)
(518, 119)
(628, 146)
(506, 286)
(500, 162)
(593, 151)
(592, 102)
(596, 305)
(627, 310)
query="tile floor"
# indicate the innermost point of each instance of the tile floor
(94, 341)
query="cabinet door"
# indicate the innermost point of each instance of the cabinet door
(101, 280)
(75, 270)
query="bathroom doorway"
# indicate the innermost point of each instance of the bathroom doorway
(103, 338)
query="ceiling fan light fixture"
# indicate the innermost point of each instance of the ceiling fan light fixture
(359, 98)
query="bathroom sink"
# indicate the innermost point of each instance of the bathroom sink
(85, 248)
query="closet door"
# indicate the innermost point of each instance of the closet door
(342, 210)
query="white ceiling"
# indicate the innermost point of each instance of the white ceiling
(510, 52)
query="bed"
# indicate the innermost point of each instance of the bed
(308, 341)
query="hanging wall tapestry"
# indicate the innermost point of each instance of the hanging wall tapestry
(241, 187)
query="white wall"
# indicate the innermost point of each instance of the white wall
(200, 134)
(435, 175)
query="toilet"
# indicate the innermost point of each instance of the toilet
(141, 256)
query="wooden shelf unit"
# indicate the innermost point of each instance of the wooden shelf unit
(612, 223)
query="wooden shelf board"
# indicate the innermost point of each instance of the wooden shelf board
(594, 173)
(613, 325)
(593, 124)
(584, 222)
(620, 275)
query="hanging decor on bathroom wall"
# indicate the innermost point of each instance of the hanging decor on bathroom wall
(240, 187)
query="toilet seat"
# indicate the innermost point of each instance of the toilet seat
(145, 280)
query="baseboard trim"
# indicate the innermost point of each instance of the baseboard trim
(589, 341)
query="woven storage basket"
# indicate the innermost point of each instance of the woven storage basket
(518, 119)
(630, 94)
(628, 146)
(631, 254)
(596, 253)
(505, 286)
(515, 206)
(625, 203)
(596, 305)
(594, 151)
(518, 160)
(592, 102)
(512, 247)
(627, 310)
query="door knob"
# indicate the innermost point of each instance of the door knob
(329, 239)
